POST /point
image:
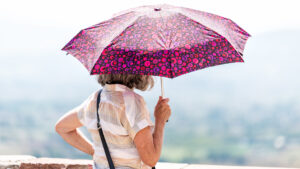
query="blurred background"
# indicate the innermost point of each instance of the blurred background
(238, 114)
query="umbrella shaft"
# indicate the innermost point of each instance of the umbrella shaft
(162, 87)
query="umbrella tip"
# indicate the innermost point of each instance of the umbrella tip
(157, 9)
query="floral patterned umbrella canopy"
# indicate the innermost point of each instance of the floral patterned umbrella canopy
(160, 40)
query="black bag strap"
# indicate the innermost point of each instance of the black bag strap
(110, 162)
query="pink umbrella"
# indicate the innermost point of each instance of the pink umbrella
(160, 40)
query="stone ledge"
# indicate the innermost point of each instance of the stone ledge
(56, 163)
(13, 161)
(31, 162)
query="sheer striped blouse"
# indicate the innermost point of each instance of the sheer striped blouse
(122, 114)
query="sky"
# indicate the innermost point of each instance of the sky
(33, 33)
(24, 23)
(255, 16)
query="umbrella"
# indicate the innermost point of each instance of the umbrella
(160, 40)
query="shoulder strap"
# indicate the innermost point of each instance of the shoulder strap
(110, 162)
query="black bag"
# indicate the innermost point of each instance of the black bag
(110, 162)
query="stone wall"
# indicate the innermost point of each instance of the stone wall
(31, 162)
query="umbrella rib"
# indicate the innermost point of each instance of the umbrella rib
(165, 46)
(124, 29)
(227, 20)
(171, 68)
(161, 42)
(113, 39)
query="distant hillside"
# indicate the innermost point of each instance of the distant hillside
(242, 113)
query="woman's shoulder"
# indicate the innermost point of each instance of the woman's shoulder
(133, 96)
(91, 100)
(93, 96)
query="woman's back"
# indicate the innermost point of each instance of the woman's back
(122, 114)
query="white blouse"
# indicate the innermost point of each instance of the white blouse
(122, 114)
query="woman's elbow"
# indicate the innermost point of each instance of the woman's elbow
(144, 144)
(150, 163)
(59, 128)
(150, 160)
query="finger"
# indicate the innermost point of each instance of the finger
(160, 102)
(159, 106)
(160, 99)
(166, 99)
(163, 102)
(165, 109)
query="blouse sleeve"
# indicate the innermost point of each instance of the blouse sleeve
(137, 115)
(84, 108)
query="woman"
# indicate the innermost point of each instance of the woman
(133, 140)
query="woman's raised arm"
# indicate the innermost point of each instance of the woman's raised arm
(149, 146)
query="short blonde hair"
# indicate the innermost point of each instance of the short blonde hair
(141, 82)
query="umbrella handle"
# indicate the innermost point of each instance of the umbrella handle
(162, 87)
